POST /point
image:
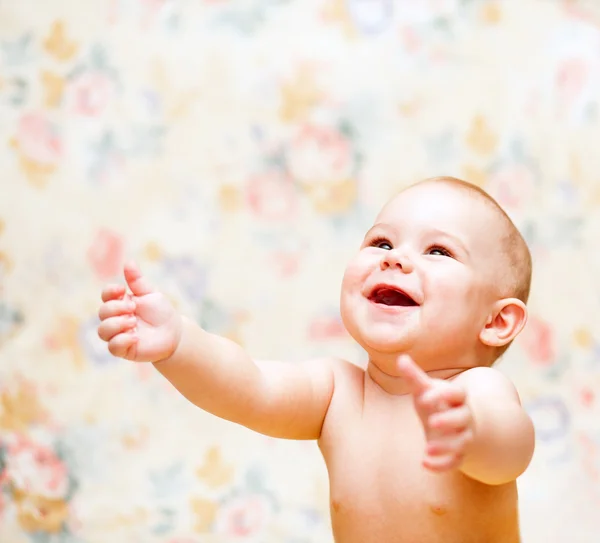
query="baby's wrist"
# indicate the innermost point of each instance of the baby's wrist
(181, 325)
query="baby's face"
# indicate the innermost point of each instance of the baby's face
(424, 279)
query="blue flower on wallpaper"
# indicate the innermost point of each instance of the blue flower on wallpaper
(108, 153)
(146, 139)
(552, 231)
(188, 274)
(214, 317)
(81, 447)
(169, 482)
(104, 156)
(371, 16)
(249, 16)
(552, 420)
(15, 54)
(94, 348)
(10, 320)
(551, 416)
(17, 91)
(18, 51)
(97, 61)
(168, 486)
(442, 148)
(152, 101)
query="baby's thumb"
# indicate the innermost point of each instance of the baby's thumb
(138, 284)
(417, 380)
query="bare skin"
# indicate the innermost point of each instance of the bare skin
(380, 491)
(426, 443)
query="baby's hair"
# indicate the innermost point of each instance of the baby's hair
(517, 281)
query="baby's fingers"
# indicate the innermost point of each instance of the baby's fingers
(115, 308)
(440, 464)
(454, 395)
(449, 445)
(123, 345)
(451, 420)
(109, 328)
(112, 292)
(441, 397)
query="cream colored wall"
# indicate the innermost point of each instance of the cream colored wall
(238, 150)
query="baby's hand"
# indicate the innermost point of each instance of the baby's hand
(142, 326)
(444, 413)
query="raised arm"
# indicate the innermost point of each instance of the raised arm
(277, 399)
(274, 398)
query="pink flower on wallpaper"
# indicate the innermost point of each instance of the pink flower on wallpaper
(245, 516)
(571, 78)
(90, 93)
(325, 327)
(587, 397)
(410, 39)
(538, 342)
(150, 11)
(35, 469)
(286, 264)
(591, 451)
(272, 196)
(37, 139)
(106, 254)
(513, 186)
(320, 153)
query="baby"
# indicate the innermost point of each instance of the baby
(426, 443)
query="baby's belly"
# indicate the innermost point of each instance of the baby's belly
(383, 495)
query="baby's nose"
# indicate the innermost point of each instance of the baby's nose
(394, 259)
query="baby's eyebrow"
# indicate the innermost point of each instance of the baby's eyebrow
(375, 227)
(454, 239)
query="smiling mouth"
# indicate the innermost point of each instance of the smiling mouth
(391, 297)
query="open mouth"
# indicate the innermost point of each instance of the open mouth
(391, 296)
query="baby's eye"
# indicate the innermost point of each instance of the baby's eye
(438, 251)
(381, 243)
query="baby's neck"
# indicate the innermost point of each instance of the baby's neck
(396, 386)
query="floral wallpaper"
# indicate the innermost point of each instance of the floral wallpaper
(238, 150)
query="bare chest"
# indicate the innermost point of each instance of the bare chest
(379, 490)
(375, 462)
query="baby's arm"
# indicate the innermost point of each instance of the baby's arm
(503, 434)
(474, 423)
(274, 398)
(216, 374)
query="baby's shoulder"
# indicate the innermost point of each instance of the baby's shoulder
(486, 381)
(348, 377)
(346, 369)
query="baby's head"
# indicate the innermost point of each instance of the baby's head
(443, 275)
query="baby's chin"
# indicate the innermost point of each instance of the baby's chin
(386, 344)
(386, 347)
(384, 338)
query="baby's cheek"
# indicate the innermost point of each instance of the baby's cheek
(354, 277)
(352, 286)
(456, 288)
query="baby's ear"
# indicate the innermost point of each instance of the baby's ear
(505, 323)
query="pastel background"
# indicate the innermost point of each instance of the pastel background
(238, 150)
